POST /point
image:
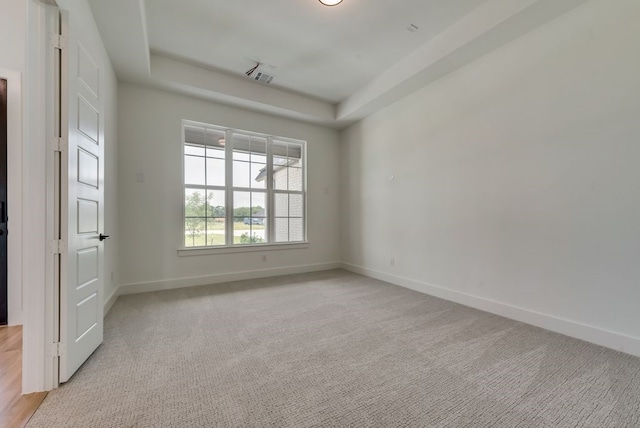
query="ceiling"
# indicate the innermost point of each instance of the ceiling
(324, 52)
(332, 65)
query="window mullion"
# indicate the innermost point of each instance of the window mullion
(184, 189)
(271, 211)
(303, 157)
(228, 181)
(206, 195)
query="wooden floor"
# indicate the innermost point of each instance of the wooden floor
(15, 409)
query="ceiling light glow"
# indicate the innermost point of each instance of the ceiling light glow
(330, 2)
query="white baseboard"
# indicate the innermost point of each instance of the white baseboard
(599, 336)
(194, 281)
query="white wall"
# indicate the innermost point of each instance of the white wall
(12, 67)
(12, 34)
(516, 181)
(151, 212)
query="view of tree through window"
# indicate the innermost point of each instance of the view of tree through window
(241, 187)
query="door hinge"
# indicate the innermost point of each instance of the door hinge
(57, 349)
(59, 144)
(58, 41)
(58, 246)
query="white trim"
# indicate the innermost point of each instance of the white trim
(610, 339)
(37, 277)
(14, 193)
(204, 251)
(170, 284)
(228, 190)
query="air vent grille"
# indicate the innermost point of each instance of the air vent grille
(263, 77)
(263, 73)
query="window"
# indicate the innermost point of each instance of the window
(242, 188)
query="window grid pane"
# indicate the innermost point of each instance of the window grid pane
(215, 152)
(280, 178)
(296, 229)
(281, 205)
(296, 205)
(215, 172)
(190, 149)
(295, 178)
(282, 229)
(216, 231)
(216, 202)
(194, 170)
(258, 175)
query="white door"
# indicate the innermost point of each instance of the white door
(81, 290)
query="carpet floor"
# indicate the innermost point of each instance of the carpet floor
(336, 349)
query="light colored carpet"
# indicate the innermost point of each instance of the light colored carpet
(336, 349)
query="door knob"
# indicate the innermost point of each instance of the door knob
(103, 237)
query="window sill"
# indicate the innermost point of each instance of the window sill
(204, 251)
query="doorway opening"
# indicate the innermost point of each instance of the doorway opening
(4, 297)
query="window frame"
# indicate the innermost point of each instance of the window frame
(269, 191)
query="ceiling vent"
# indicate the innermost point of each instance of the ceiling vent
(263, 73)
(263, 77)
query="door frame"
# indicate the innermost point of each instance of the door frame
(39, 302)
(42, 247)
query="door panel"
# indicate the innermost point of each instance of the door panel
(87, 167)
(88, 71)
(87, 266)
(87, 312)
(87, 216)
(88, 119)
(82, 291)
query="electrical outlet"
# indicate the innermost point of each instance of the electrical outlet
(392, 262)
(264, 258)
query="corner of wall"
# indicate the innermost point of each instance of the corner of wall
(111, 299)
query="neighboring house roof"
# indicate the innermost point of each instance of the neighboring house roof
(262, 175)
